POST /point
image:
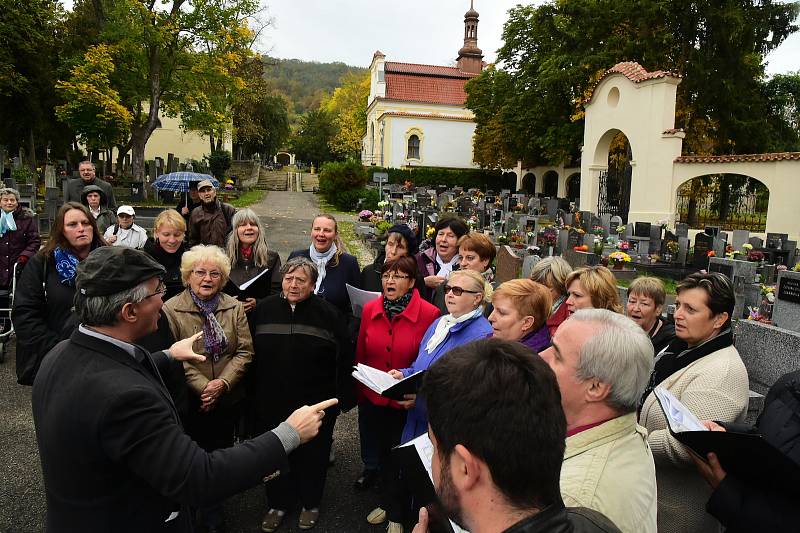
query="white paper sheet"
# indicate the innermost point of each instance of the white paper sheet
(678, 416)
(359, 298)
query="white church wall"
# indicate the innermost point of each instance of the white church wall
(445, 143)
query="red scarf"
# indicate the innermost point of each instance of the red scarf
(247, 253)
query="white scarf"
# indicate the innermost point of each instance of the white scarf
(444, 325)
(446, 268)
(7, 222)
(321, 259)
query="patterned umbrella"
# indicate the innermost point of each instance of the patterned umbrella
(179, 181)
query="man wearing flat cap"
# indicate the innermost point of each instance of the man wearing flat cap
(113, 452)
(210, 222)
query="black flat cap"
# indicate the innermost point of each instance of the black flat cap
(112, 269)
(408, 235)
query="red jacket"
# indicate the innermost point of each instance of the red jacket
(386, 346)
(555, 320)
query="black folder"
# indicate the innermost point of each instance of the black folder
(409, 385)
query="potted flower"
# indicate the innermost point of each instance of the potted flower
(365, 215)
(502, 239)
(618, 259)
(598, 246)
(623, 246)
(672, 249)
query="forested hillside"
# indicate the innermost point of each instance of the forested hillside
(305, 83)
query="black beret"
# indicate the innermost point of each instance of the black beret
(113, 269)
(408, 235)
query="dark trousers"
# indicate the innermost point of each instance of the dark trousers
(211, 431)
(396, 497)
(380, 429)
(308, 469)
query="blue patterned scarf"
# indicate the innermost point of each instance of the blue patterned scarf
(7, 222)
(213, 336)
(66, 265)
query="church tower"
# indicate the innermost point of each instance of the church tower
(470, 57)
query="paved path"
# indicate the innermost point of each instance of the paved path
(288, 216)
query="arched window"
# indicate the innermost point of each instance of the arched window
(413, 147)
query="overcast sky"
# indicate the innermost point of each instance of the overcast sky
(413, 31)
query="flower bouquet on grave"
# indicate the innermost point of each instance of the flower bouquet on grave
(756, 316)
(755, 256)
(502, 239)
(365, 215)
(598, 246)
(383, 203)
(598, 230)
(381, 227)
(621, 229)
(623, 246)
(711, 253)
(618, 259)
(548, 236)
(430, 232)
(472, 222)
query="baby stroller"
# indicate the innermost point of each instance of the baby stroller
(6, 303)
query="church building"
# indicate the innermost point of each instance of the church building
(416, 114)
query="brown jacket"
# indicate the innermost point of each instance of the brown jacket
(211, 224)
(185, 320)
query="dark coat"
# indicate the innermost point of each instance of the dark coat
(428, 266)
(106, 218)
(171, 262)
(742, 507)
(24, 242)
(74, 188)
(42, 314)
(386, 345)
(664, 336)
(333, 286)
(302, 356)
(114, 455)
(243, 271)
(211, 224)
(558, 519)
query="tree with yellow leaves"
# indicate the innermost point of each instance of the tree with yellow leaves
(348, 107)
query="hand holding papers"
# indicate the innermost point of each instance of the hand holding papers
(384, 384)
(359, 298)
(678, 416)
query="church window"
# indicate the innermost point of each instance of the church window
(413, 147)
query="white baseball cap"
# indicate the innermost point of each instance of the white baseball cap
(126, 210)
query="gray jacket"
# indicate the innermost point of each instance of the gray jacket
(74, 189)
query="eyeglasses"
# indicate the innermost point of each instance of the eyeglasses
(160, 290)
(387, 277)
(203, 273)
(458, 291)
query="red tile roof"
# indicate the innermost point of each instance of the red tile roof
(744, 158)
(636, 73)
(672, 131)
(431, 84)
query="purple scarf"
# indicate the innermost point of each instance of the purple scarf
(213, 336)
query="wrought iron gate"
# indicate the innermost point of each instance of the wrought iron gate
(615, 192)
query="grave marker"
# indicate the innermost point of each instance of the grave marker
(702, 245)
(786, 313)
(508, 264)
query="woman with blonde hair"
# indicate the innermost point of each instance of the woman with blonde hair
(215, 385)
(466, 292)
(335, 267)
(521, 308)
(167, 247)
(592, 287)
(250, 258)
(552, 272)
(646, 296)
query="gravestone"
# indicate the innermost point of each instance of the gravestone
(756, 242)
(575, 239)
(605, 222)
(683, 250)
(508, 264)
(642, 229)
(576, 259)
(775, 240)
(655, 240)
(527, 265)
(613, 223)
(588, 240)
(628, 232)
(786, 313)
(743, 276)
(719, 247)
(563, 240)
(681, 229)
(702, 245)
(552, 207)
(740, 237)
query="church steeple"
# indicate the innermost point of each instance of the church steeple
(470, 57)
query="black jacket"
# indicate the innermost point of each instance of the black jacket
(243, 271)
(42, 314)
(171, 262)
(558, 519)
(371, 276)
(114, 455)
(743, 507)
(302, 356)
(333, 286)
(74, 188)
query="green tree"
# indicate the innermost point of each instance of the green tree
(554, 53)
(260, 115)
(93, 107)
(311, 141)
(348, 107)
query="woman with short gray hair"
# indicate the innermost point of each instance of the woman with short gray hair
(303, 352)
(19, 235)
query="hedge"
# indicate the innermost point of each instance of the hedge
(452, 177)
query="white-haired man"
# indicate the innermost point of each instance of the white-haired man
(603, 361)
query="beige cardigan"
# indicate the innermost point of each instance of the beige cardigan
(609, 468)
(714, 387)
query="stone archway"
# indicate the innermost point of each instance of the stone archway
(529, 183)
(731, 201)
(614, 187)
(550, 184)
(574, 187)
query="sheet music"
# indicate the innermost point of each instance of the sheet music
(359, 298)
(678, 416)
(377, 380)
(246, 284)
